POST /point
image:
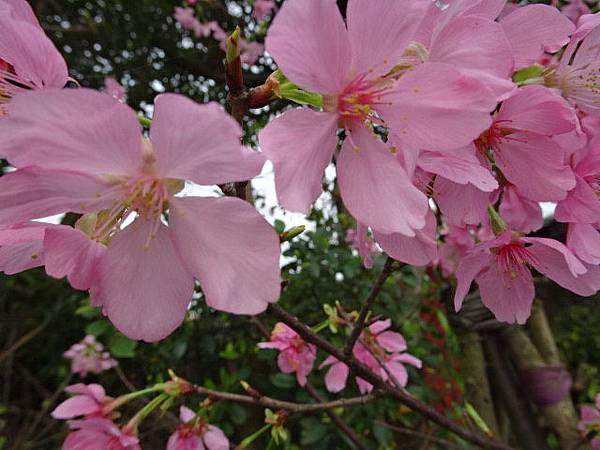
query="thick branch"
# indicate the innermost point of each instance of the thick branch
(362, 371)
(291, 407)
(388, 268)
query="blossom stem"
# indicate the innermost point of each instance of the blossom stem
(388, 268)
(250, 439)
(320, 327)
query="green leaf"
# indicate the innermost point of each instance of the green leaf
(283, 380)
(313, 434)
(121, 346)
(475, 417)
(97, 327)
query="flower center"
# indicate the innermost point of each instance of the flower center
(10, 84)
(513, 259)
(359, 99)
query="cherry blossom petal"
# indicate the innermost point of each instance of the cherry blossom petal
(79, 405)
(32, 54)
(32, 193)
(398, 371)
(391, 341)
(584, 240)
(534, 29)
(21, 247)
(519, 212)
(145, 289)
(477, 47)
(69, 252)
(537, 109)
(508, 296)
(379, 32)
(380, 325)
(469, 267)
(460, 166)
(20, 10)
(228, 246)
(92, 390)
(103, 136)
(376, 189)
(336, 377)
(461, 205)
(419, 250)
(200, 143)
(556, 262)
(406, 358)
(534, 163)
(215, 439)
(309, 43)
(300, 144)
(581, 204)
(436, 107)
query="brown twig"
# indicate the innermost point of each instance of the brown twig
(290, 407)
(362, 371)
(388, 268)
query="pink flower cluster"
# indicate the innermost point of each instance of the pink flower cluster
(96, 429)
(250, 51)
(424, 94)
(381, 350)
(295, 355)
(88, 356)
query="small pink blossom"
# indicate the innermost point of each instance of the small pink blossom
(590, 422)
(88, 356)
(521, 140)
(262, 8)
(295, 355)
(365, 245)
(194, 434)
(97, 433)
(89, 401)
(501, 268)
(376, 339)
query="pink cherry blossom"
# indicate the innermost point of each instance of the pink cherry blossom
(348, 65)
(295, 355)
(88, 356)
(378, 340)
(102, 164)
(194, 434)
(262, 8)
(520, 138)
(365, 245)
(88, 400)
(28, 58)
(99, 434)
(590, 421)
(501, 268)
